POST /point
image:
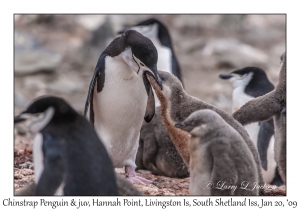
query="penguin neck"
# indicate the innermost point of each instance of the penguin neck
(179, 137)
(182, 105)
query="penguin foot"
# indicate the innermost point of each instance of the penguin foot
(130, 175)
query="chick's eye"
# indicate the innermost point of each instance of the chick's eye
(163, 78)
(142, 64)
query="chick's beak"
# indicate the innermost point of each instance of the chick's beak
(180, 125)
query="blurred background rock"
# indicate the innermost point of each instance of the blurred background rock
(57, 54)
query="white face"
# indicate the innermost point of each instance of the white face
(36, 122)
(240, 80)
(134, 63)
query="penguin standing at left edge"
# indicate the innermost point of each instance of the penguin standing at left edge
(120, 97)
(69, 158)
(249, 83)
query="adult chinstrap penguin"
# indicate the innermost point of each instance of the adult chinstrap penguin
(151, 154)
(157, 152)
(219, 157)
(249, 83)
(270, 105)
(69, 158)
(120, 96)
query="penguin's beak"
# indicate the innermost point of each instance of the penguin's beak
(180, 125)
(155, 76)
(19, 118)
(158, 80)
(184, 126)
(225, 76)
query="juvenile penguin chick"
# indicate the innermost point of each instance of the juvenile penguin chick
(249, 83)
(69, 158)
(177, 105)
(157, 152)
(120, 96)
(218, 154)
(272, 104)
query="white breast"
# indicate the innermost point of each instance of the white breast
(38, 157)
(119, 111)
(269, 174)
(239, 98)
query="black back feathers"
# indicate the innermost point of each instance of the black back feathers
(259, 83)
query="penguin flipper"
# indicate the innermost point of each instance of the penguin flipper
(223, 169)
(266, 131)
(52, 175)
(150, 109)
(99, 76)
(258, 109)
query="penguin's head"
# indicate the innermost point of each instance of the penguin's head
(199, 122)
(45, 110)
(253, 80)
(140, 54)
(171, 86)
(241, 77)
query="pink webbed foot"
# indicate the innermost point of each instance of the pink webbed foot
(130, 175)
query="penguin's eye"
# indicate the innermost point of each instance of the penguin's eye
(142, 64)
(163, 78)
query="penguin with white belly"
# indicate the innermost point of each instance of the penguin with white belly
(69, 158)
(149, 156)
(120, 97)
(249, 83)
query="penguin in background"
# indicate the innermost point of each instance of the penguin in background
(249, 83)
(120, 97)
(69, 158)
(158, 33)
(270, 105)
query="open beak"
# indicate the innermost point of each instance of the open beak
(19, 118)
(225, 76)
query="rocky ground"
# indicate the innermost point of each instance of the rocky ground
(57, 55)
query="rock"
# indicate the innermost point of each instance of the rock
(20, 100)
(232, 54)
(66, 84)
(21, 129)
(31, 58)
(91, 22)
(87, 55)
